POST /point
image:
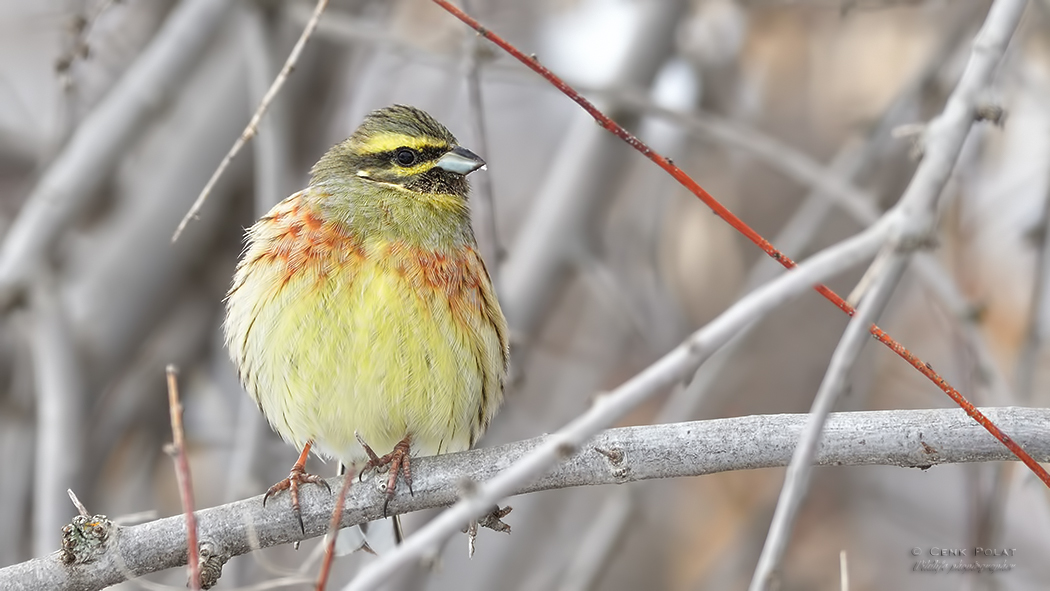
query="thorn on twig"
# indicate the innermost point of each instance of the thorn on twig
(76, 503)
(615, 454)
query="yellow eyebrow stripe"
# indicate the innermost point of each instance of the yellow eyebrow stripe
(391, 141)
(412, 170)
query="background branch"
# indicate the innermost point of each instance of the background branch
(98, 143)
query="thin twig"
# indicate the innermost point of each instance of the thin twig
(656, 451)
(273, 140)
(681, 405)
(793, 237)
(182, 473)
(916, 213)
(796, 484)
(250, 131)
(944, 140)
(987, 50)
(333, 531)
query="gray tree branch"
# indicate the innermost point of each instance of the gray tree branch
(905, 438)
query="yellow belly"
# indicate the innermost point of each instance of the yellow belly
(361, 347)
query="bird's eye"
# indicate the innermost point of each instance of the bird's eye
(406, 156)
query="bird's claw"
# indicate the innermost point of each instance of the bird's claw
(399, 462)
(296, 477)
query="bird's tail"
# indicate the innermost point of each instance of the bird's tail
(376, 537)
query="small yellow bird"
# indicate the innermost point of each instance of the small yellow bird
(361, 313)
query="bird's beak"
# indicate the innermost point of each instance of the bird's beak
(460, 161)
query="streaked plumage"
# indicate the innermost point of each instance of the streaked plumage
(361, 303)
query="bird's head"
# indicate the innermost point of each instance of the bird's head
(401, 147)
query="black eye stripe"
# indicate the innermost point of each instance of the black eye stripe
(383, 159)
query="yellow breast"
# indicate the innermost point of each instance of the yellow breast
(335, 334)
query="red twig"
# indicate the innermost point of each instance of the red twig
(333, 530)
(182, 472)
(724, 213)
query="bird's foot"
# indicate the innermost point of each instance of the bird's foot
(297, 476)
(398, 461)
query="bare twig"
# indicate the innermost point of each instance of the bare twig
(943, 143)
(657, 451)
(182, 473)
(796, 484)
(333, 531)
(683, 402)
(944, 140)
(794, 237)
(273, 140)
(250, 131)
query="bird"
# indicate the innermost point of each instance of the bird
(361, 315)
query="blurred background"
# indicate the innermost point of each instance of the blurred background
(801, 116)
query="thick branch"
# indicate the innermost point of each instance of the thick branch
(906, 438)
